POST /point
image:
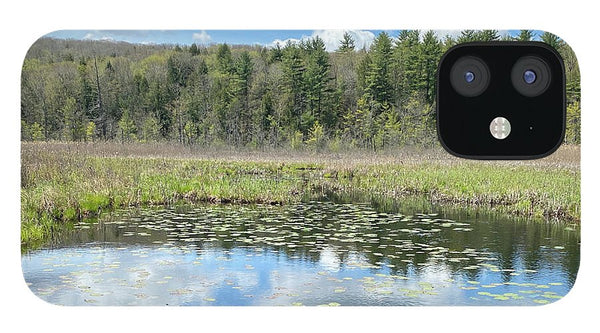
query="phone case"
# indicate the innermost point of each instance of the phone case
(279, 168)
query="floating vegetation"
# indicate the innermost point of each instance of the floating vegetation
(311, 253)
(183, 291)
(333, 304)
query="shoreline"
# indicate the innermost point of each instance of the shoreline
(64, 182)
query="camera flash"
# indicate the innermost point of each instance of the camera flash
(500, 128)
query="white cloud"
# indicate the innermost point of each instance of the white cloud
(282, 43)
(441, 34)
(332, 38)
(97, 35)
(202, 37)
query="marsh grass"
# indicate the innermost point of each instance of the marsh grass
(65, 182)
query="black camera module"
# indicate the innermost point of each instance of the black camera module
(501, 100)
(531, 76)
(470, 76)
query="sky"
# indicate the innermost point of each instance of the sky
(363, 38)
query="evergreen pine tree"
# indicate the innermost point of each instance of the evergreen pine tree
(347, 44)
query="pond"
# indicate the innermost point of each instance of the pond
(313, 253)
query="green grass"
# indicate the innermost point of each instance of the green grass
(521, 190)
(62, 183)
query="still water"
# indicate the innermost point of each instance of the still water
(314, 253)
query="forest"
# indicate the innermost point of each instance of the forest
(296, 95)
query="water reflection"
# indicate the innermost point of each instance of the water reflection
(315, 253)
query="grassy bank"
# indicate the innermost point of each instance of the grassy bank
(64, 182)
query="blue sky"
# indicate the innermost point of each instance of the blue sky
(248, 37)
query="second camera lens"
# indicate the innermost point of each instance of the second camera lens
(529, 76)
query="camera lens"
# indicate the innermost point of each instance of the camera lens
(469, 76)
(530, 76)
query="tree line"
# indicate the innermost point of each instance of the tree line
(293, 95)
